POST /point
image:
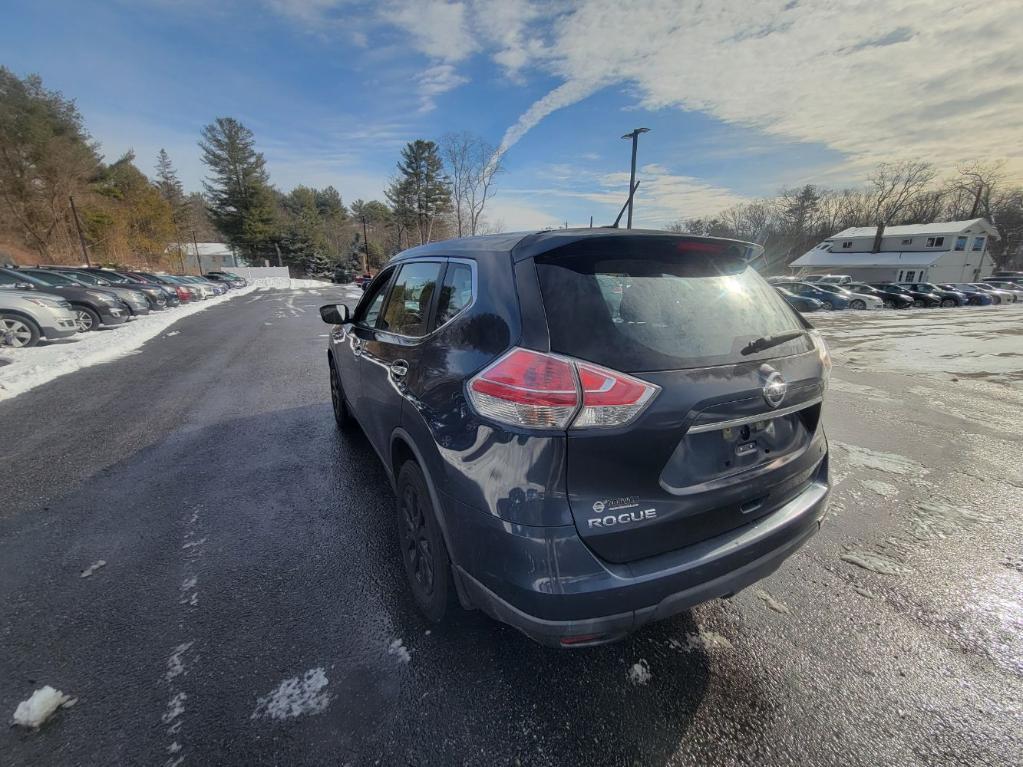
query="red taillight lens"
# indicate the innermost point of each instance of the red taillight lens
(610, 398)
(546, 391)
(527, 388)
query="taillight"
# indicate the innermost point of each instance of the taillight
(547, 391)
(824, 354)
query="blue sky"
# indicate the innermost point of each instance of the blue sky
(742, 98)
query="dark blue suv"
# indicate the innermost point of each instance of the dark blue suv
(586, 430)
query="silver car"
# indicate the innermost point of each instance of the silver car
(27, 316)
(856, 300)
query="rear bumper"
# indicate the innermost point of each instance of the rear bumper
(566, 591)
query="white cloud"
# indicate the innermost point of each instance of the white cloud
(436, 80)
(938, 79)
(436, 28)
(516, 216)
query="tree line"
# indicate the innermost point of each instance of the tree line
(59, 200)
(907, 192)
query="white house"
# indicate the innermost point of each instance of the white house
(215, 255)
(949, 251)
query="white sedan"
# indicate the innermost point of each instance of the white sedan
(856, 300)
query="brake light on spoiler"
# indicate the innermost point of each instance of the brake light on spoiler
(539, 390)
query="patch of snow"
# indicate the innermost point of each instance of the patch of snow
(92, 568)
(175, 708)
(190, 583)
(295, 697)
(397, 647)
(173, 333)
(40, 706)
(771, 602)
(875, 563)
(702, 640)
(175, 665)
(193, 544)
(639, 673)
(890, 463)
(309, 284)
(881, 488)
(30, 368)
(848, 387)
(173, 748)
(863, 592)
(940, 520)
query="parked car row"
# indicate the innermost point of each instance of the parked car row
(830, 291)
(50, 302)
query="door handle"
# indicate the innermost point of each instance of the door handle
(399, 368)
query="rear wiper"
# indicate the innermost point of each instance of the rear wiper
(766, 342)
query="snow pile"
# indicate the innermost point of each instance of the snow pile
(93, 568)
(29, 368)
(297, 284)
(295, 696)
(397, 647)
(40, 707)
(639, 673)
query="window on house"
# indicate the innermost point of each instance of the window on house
(908, 241)
(847, 244)
(978, 243)
(961, 243)
(935, 242)
(910, 276)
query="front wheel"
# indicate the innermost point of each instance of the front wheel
(826, 306)
(86, 318)
(948, 302)
(19, 332)
(423, 552)
(857, 304)
(342, 415)
(918, 303)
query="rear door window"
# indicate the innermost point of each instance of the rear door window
(647, 313)
(407, 311)
(455, 293)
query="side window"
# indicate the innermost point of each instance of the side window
(369, 308)
(961, 243)
(6, 279)
(978, 243)
(455, 293)
(408, 308)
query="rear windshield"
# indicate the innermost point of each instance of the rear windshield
(640, 313)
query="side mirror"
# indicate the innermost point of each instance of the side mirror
(334, 314)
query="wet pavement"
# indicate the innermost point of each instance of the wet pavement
(252, 611)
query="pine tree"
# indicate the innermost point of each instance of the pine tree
(420, 192)
(240, 199)
(171, 190)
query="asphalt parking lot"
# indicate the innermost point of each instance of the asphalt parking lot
(251, 609)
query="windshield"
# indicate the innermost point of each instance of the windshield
(649, 313)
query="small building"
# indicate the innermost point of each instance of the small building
(949, 251)
(215, 256)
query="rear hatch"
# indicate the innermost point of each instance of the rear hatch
(732, 433)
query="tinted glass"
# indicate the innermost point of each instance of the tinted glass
(661, 312)
(369, 308)
(51, 278)
(455, 293)
(408, 306)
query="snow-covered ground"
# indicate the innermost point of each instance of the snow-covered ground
(24, 369)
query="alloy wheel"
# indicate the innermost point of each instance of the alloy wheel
(14, 332)
(84, 320)
(415, 543)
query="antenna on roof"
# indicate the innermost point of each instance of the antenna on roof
(626, 205)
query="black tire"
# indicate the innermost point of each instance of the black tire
(826, 306)
(947, 303)
(342, 415)
(858, 304)
(87, 318)
(423, 553)
(18, 332)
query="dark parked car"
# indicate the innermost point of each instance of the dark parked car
(920, 299)
(92, 307)
(890, 300)
(799, 303)
(135, 300)
(155, 295)
(176, 295)
(226, 278)
(576, 461)
(828, 299)
(948, 297)
(974, 296)
(185, 292)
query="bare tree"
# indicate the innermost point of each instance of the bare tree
(971, 193)
(472, 164)
(892, 187)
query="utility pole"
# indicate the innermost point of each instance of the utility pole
(198, 258)
(632, 176)
(365, 247)
(81, 237)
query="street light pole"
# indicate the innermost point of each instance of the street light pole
(632, 176)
